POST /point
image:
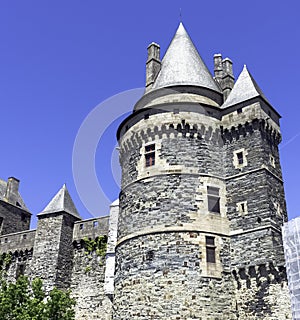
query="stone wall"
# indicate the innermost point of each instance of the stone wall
(13, 219)
(87, 285)
(262, 293)
(90, 228)
(160, 276)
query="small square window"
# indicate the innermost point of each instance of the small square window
(95, 224)
(81, 226)
(239, 110)
(241, 207)
(146, 116)
(239, 158)
(272, 161)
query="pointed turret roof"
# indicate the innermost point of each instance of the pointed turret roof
(61, 202)
(182, 65)
(244, 89)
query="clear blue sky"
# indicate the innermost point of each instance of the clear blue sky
(60, 59)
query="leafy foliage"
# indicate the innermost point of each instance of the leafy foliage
(99, 245)
(20, 301)
(5, 260)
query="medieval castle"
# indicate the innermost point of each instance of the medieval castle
(196, 232)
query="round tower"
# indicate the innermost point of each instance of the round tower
(172, 254)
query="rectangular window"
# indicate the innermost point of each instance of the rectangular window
(240, 157)
(242, 208)
(95, 224)
(210, 250)
(272, 161)
(213, 199)
(150, 155)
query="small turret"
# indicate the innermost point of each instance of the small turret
(53, 241)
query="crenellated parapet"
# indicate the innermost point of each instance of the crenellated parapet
(269, 133)
(266, 272)
(19, 241)
(256, 288)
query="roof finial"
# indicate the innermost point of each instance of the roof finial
(180, 15)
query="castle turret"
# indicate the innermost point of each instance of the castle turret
(52, 256)
(195, 188)
(14, 215)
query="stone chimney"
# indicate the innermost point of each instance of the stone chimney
(228, 77)
(153, 64)
(218, 68)
(12, 189)
(224, 74)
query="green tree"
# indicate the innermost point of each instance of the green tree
(22, 301)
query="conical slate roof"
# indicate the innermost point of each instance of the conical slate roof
(182, 65)
(244, 89)
(61, 202)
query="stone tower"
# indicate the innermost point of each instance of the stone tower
(202, 200)
(53, 248)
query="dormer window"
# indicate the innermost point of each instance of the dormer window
(150, 155)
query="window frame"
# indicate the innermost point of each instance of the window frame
(210, 247)
(240, 158)
(149, 154)
(213, 195)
